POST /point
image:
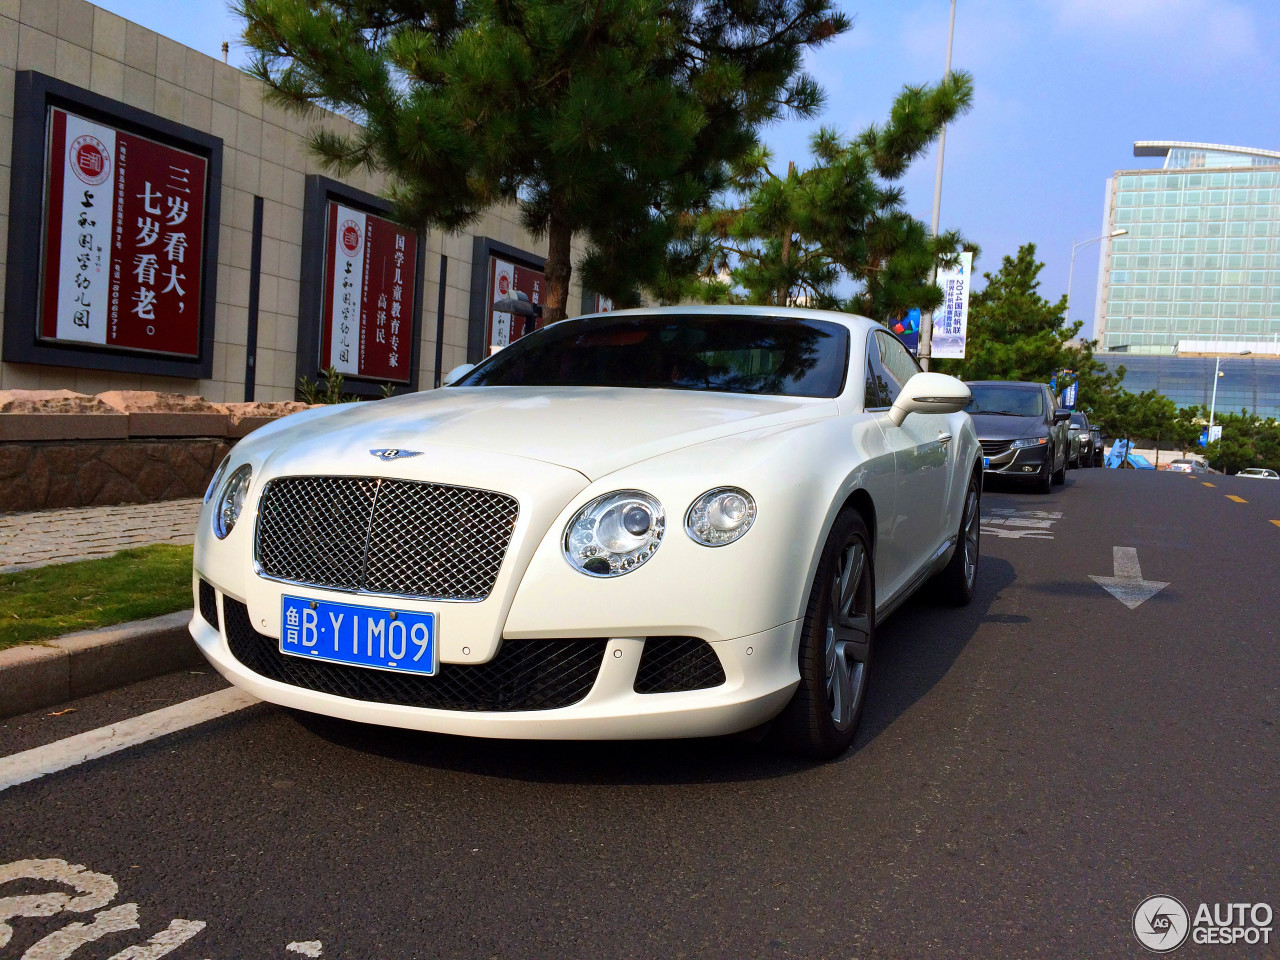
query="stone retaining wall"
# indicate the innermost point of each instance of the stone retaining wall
(91, 473)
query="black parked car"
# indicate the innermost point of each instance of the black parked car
(1023, 434)
(1081, 439)
(1095, 433)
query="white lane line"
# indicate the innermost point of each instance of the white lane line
(31, 764)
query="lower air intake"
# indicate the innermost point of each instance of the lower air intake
(525, 675)
(674, 664)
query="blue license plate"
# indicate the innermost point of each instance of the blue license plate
(360, 636)
(986, 463)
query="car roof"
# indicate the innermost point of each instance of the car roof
(855, 322)
(1005, 383)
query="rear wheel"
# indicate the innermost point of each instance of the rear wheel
(958, 577)
(835, 647)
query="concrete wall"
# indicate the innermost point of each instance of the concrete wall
(263, 155)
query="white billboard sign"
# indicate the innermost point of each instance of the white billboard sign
(951, 320)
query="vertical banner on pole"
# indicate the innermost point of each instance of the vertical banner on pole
(951, 320)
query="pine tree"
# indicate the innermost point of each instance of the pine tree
(1016, 334)
(602, 118)
(794, 238)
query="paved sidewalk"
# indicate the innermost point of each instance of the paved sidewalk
(37, 539)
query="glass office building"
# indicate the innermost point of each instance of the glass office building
(1201, 260)
(1247, 383)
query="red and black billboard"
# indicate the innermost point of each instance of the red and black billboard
(360, 300)
(371, 275)
(505, 279)
(112, 236)
(123, 229)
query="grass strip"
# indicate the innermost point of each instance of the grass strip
(133, 584)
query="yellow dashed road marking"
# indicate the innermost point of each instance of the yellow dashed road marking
(1232, 496)
(1276, 522)
(1207, 483)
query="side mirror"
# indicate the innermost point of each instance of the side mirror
(1061, 416)
(456, 374)
(929, 393)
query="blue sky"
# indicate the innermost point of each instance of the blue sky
(1063, 88)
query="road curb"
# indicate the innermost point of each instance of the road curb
(80, 664)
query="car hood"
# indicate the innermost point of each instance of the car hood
(593, 430)
(991, 426)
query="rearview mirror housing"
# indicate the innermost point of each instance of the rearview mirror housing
(929, 393)
(1061, 415)
(456, 374)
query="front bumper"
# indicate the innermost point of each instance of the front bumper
(760, 677)
(1028, 463)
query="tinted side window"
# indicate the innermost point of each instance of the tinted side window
(877, 389)
(897, 362)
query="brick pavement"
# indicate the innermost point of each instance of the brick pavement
(43, 537)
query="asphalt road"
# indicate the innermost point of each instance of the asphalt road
(1029, 769)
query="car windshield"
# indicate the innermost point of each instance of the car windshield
(787, 356)
(1015, 400)
(1077, 420)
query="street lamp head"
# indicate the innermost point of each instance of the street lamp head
(1119, 233)
(1245, 353)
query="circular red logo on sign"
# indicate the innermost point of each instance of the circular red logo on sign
(89, 159)
(503, 284)
(349, 232)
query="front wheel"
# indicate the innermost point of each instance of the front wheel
(1060, 475)
(835, 647)
(960, 575)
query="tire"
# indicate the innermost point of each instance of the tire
(960, 575)
(1060, 477)
(822, 718)
(1044, 484)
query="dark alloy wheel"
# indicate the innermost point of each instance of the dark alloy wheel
(1043, 484)
(835, 647)
(960, 575)
(1060, 475)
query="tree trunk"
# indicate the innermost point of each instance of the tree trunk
(558, 269)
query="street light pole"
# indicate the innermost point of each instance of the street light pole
(925, 349)
(1071, 273)
(1213, 402)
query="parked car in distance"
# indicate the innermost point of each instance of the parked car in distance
(1095, 439)
(656, 523)
(1023, 435)
(1259, 473)
(1080, 440)
(1188, 465)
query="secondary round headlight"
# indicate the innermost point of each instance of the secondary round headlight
(720, 516)
(226, 509)
(614, 534)
(217, 477)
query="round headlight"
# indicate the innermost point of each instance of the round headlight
(720, 516)
(226, 509)
(614, 534)
(217, 477)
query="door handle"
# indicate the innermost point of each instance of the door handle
(944, 438)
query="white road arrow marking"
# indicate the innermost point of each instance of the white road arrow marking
(1127, 585)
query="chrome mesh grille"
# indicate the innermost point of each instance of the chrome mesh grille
(992, 447)
(393, 537)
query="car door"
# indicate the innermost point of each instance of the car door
(920, 447)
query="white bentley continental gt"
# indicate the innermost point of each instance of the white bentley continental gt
(651, 523)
